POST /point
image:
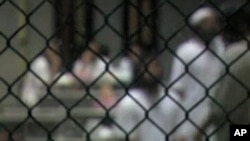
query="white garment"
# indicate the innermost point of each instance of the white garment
(32, 83)
(124, 71)
(130, 114)
(92, 71)
(231, 92)
(202, 66)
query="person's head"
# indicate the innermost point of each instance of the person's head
(135, 52)
(89, 53)
(53, 51)
(205, 21)
(153, 73)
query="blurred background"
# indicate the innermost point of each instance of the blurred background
(111, 30)
(114, 24)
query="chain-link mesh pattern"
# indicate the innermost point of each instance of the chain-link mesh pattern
(62, 113)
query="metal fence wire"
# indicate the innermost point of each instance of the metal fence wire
(44, 95)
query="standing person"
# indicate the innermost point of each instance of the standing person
(44, 68)
(196, 69)
(147, 113)
(232, 95)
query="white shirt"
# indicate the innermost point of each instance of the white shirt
(32, 83)
(130, 113)
(91, 71)
(203, 70)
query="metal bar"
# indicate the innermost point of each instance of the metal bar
(67, 33)
(89, 20)
(48, 115)
(79, 21)
(23, 34)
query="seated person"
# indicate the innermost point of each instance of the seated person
(90, 65)
(129, 64)
(42, 71)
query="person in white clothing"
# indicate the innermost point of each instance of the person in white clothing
(127, 69)
(148, 113)
(196, 70)
(90, 66)
(41, 72)
(232, 105)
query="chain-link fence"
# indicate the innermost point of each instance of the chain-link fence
(122, 69)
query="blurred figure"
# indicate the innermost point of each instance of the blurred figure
(197, 69)
(106, 99)
(54, 57)
(233, 92)
(135, 56)
(150, 100)
(44, 68)
(90, 66)
(129, 65)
